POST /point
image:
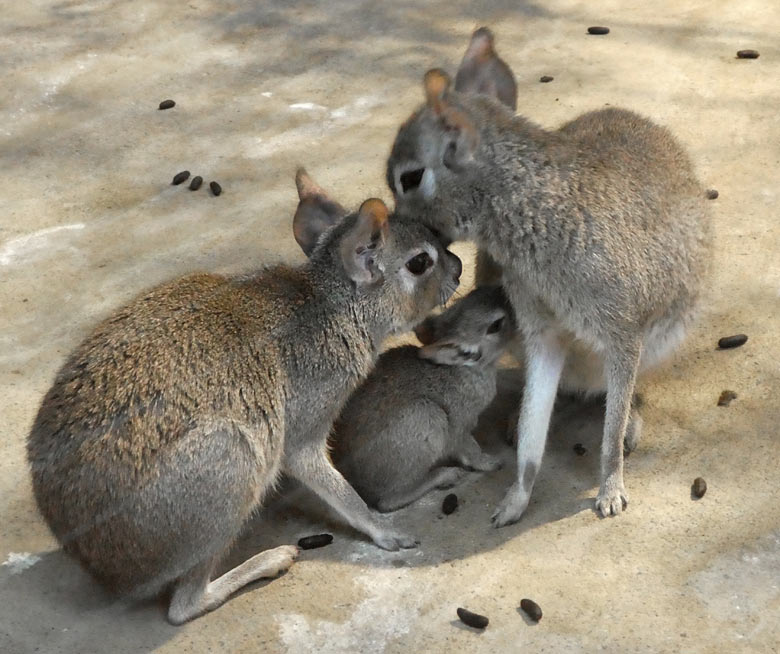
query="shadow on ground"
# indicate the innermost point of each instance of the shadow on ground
(64, 594)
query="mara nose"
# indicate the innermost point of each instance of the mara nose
(411, 179)
(457, 264)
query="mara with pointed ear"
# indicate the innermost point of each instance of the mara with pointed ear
(602, 235)
(361, 244)
(483, 71)
(316, 212)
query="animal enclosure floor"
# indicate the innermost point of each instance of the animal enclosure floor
(88, 218)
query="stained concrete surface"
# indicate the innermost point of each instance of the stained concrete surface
(88, 219)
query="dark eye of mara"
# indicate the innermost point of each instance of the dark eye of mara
(419, 263)
(411, 179)
(495, 326)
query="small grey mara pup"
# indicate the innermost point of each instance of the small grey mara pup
(167, 426)
(600, 229)
(408, 428)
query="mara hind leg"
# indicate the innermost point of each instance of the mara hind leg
(207, 488)
(194, 593)
(583, 374)
(442, 477)
(621, 368)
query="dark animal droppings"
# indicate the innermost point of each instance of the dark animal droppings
(579, 449)
(450, 504)
(216, 189)
(313, 542)
(728, 342)
(181, 177)
(472, 619)
(533, 610)
(726, 397)
(699, 487)
(196, 182)
(598, 30)
(712, 194)
(546, 78)
(748, 54)
(167, 104)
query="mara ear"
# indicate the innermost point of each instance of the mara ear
(436, 84)
(483, 71)
(462, 135)
(425, 332)
(360, 245)
(480, 49)
(316, 212)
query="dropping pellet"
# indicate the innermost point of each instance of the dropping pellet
(450, 504)
(727, 342)
(726, 397)
(472, 619)
(178, 178)
(532, 609)
(313, 542)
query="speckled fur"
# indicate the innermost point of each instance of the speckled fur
(165, 428)
(600, 228)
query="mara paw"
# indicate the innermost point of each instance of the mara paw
(511, 508)
(612, 499)
(392, 541)
(284, 557)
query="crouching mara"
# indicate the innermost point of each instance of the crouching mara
(166, 427)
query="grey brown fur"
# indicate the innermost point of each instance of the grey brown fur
(166, 427)
(601, 230)
(408, 427)
(482, 71)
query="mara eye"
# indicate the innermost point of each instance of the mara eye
(411, 179)
(495, 326)
(418, 264)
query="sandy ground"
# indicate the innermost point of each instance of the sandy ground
(88, 219)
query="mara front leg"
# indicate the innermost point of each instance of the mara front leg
(545, 356)
(312, 466)
(622, 364)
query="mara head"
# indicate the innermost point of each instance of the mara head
(472, 332)
(398, 268)
(438, 157)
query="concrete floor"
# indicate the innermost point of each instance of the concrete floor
(88, 219)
